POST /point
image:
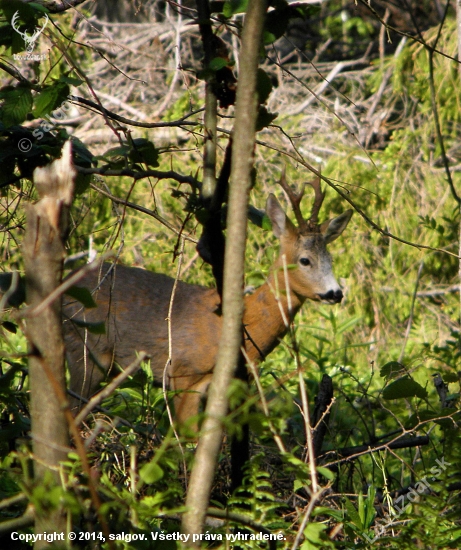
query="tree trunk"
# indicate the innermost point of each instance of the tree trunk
(43, 251)
(242, 161)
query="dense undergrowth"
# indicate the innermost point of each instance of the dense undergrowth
(392, 347)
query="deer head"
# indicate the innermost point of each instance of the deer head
(305, 246)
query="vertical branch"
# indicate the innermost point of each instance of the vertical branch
(211, 103)
(211, 245)
(242, 160)
(458, 28)
(438, 129)
(43, 251)
(170, 353)
(177, 55)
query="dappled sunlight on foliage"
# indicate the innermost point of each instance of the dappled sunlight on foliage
(380, 120)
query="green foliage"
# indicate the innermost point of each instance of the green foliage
(17, 104)
(389, 324)
(50, 98)
(360, 520)
(231, 7)
(404, 387)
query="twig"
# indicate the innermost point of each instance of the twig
(242, 520)
(26, 520)
(114, 116)
(107, 412)
(110, 388)
(170, 356)
(302, 387)
(11, 501)
(327, 80)
(144, 210)
(348, 453)
(314, 498)
(11, 290)
(177, 48)
(368, 5)
(65, 285)
(278, 440)
(122, 104)
(137, 175)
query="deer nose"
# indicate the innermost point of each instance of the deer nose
(332, 296)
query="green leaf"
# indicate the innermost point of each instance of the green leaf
(391, 370)
(266, 223)
(325, 472)
(144, 151)
(151, 472)
(94, 328)
(348, 324)
(50, 98)
(6, 379)
(39, 7)
(325, 511)
(353, 514)
(218, 63)
(370, 511)
(71, 80)
(17, 104)
(116, 157)
(450, 377)
(313, 532)
(83, 295)
(298, 484)
(232, 7)
(404, 388)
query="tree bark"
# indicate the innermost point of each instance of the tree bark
(203, 471)
(44, 252)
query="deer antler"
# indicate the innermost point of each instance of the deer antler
(310, 225)
(15, 25)
(318, 201)
(295, 199)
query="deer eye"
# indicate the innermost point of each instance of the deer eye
(304, 261)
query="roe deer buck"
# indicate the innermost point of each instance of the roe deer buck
(134, 305)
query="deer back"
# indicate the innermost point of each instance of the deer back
(133, 304)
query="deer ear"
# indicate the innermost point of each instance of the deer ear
(280, 223)
(276, 215)
(332, 229)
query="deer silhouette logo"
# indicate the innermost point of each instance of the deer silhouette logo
(29, 40)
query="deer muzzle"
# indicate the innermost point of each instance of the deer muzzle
(332, 296)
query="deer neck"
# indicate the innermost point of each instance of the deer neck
(268, 313)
